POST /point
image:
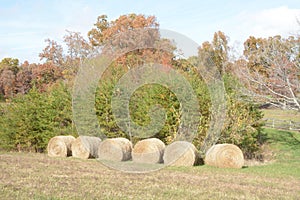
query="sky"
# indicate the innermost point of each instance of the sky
(24, 25)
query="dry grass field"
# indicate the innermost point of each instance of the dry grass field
(288, 115)
(37, 176)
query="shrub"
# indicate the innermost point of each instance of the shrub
(29, 121)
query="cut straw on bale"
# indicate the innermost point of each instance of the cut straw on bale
(115, 149)
(85, 147)
(60, 146)
(181, 153)
(148, 151)
(225, 156)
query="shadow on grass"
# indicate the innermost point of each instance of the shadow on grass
(285, 138)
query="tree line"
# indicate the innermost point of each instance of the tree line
(38, 102)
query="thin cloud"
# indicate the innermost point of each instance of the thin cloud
(25, 47)
(19, 34)
(269, 22)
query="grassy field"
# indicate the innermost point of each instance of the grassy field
(36, 176)
(288, 115)
(282, 119)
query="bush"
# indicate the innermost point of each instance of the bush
(243, 125)
(29, 121)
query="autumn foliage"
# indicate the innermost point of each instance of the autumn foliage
(270, 71)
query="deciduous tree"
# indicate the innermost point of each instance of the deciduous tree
(216, 51)
(45, 75)
(78, 50)
(104, 29)
(271, 71)
(7, 82)
(53, 52)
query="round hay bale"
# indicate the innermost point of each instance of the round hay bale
(148, 151)
(115, 149)
(85, 147)
(224, 156)
(181, 153)
(60, 146)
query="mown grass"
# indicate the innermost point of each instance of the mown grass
(278, 114)
(36, 176)
(286, 149)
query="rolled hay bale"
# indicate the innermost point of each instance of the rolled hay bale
(60, 146)
(148, 151)
(224, 156)
(181, 153)
(115, 149)
(85, 147)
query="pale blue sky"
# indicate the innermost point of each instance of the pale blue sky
(24, 25)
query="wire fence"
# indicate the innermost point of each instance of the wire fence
(282, 124)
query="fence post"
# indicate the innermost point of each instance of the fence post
(283, 124)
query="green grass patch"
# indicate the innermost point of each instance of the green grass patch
(285, 146)
(285, 143)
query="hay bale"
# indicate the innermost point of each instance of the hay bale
(148, 151)
(60, 146)
(115, 149)
(181, 153)
(85, 147)
(225, 156)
